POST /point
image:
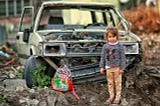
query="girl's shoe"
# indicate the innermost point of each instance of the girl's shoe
(109, 100)
(117, 101)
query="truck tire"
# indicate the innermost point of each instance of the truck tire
(28, 71)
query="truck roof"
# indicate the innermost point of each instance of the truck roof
(77, 4)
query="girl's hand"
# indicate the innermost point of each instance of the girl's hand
(121, 71)
(102, 71)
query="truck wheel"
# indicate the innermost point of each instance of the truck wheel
(28, 71)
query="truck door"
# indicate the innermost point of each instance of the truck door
(24, 32)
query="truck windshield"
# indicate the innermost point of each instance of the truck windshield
(75, 18)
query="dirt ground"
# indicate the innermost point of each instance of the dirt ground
(142, 90)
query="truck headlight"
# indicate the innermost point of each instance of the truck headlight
(131, 48)
(56, 49)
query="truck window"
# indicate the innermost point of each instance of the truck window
(26, 19)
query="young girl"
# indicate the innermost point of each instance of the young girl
(113, 60)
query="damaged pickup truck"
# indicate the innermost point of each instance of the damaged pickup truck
(72, 33)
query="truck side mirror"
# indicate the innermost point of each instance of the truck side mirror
(26, 35)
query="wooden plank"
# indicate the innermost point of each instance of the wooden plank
(51, 63)
(155, 75)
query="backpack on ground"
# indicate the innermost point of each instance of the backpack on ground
(62, 81)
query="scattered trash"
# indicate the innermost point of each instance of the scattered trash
(7, 56)
(151, 70)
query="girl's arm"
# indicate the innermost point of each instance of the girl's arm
(102, 59)
(102, 70)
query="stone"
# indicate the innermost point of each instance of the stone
(12, 84)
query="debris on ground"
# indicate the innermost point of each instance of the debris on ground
(7, 56)
(142, 90)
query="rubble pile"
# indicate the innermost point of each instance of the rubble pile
(137, 91)
(8, 56)
(144, 19)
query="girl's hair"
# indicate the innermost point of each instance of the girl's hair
(112, 30)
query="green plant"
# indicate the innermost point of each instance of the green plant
(40, 78)
(2, 99)
(14, 47)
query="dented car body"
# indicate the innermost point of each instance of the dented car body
(72, 32)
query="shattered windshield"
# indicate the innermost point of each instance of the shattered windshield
(81, 18)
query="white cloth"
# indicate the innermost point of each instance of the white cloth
(4, 54)
(124, 1)
(113, 43)
(149, 2)
(107, 67)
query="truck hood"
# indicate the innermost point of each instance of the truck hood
(84, 35)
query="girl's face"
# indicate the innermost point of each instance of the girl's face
(112, 38)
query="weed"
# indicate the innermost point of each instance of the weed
(2, 100)
(40, 78)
